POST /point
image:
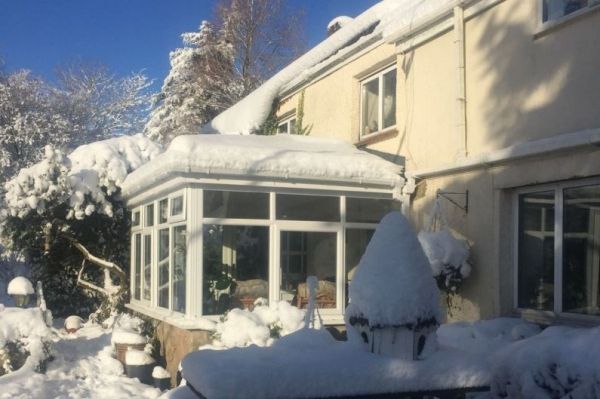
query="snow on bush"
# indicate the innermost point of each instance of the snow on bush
(240, 328)
(84, 179)
(393, 285)
(561, 362)
(448, 257)
(20, 286)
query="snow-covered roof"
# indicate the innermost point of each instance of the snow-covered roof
(385, 17)
(288, 157)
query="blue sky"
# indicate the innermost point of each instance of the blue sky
(126, 35)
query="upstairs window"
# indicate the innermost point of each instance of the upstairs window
(378, 102)
(556, 9)
(287, 126)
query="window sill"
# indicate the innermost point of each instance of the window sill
(176, 319)
(550, 26)
(377, 137)
(551, 318)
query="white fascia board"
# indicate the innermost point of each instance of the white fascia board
(560, 143)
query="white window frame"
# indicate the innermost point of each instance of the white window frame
(592, 5)
(288, 123)
(370, 78)
(182, 215)
(558, 189)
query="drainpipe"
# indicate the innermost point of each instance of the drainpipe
(461, 95)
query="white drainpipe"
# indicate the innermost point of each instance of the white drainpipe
(461, 94)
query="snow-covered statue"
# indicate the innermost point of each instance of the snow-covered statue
(394, 301)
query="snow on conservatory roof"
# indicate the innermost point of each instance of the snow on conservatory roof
(287, 157)
(383, 18)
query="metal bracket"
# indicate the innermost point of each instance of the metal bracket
(446, 194)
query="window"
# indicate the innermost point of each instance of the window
(287, 126)
(556, 9)
(559, 249)
(163, 268)
(179, 252)
(367, 210)
(137, 265)
(356, 244)
(236, 267)
(163, 211)
(308, 207)
(378, 102)
(135, 218)
(149, 215)
(236, 205)
(147, 266)
(177, 206)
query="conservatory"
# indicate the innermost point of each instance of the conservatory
(219, 221)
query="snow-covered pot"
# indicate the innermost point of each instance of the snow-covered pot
(125, 340)
(73, 323)
(162, 378)
(21, 290)
(139, 364)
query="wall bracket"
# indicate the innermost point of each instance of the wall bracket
(448, 196)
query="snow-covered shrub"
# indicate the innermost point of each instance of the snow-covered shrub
(561, 362)
(63, 200)
(448, 257)
(261, 326)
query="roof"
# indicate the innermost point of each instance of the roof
(385, 17)
(279, 157)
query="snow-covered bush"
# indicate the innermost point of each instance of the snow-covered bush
(72, 202)
(448, 257)
(561, 362)
(261, 326)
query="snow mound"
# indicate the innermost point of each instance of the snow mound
(135, 357)
(340, 21)
(281, 156)
(73, 323)
(160, 373)
(20, 286)
(560, 362)
(127, 337)
(393, 284)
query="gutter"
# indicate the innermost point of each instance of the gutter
(560, 143)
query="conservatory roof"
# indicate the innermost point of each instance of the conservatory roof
(279, 157)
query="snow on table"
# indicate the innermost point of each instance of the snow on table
(309, 363)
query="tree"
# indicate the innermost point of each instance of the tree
(223, 62)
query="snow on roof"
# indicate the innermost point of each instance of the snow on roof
(280, 156)
(393, 285)
(386, 16)
(341, 21)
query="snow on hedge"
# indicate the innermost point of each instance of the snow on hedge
(561, 362)
(284, 156)
(83, 179)
(393, 284)
(19, 286)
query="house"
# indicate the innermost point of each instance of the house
(496, 101)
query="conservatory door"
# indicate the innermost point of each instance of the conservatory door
(309, 253)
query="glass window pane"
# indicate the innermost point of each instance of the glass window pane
(370, 107)
(176, 206)
(163, 268)
(306, 254)
(135, 219)
(554, 9)
(581, 250)
(150, 215)
(356, 244)
(236, 205)
(368, 210)
(138, 265)
(179, 268)
(163, 211)
(282, 128)
(307, 207)
(389, 99)
(236, 267)
(147, 266)
(293, 126)
(536, 251)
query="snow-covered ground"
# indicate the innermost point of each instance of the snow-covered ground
(83, 367)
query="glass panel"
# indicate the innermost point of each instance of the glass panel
(135, 219)
(176, 206)
(581, 250)
(306, 207)
(282, 128)
(163, 268)
(367, 210)
(147, 266)
(163, 211)
(236, 267)
(292, 126)
(236, 205)
(137, 265)
(536, 250)
(356, 244)
(554, 9)
(389, 99)
(150, 215)
(370, 107)
(179, 268)
(306, 254)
